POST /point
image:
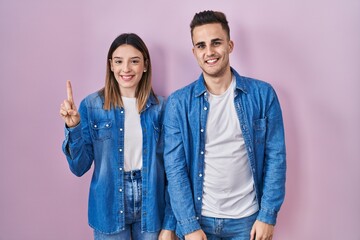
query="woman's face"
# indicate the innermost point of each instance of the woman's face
(128, 65)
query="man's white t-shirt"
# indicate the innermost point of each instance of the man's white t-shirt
(228, 190)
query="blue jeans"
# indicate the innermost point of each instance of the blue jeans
(133, 189)
(227, 229)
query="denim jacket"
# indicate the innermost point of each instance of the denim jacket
(99, 138)
(261, 122)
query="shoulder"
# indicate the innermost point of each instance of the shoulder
(155, 103)
(183, 93)
(249, 84)
(93, 100)
(255, 86)
(161, 99)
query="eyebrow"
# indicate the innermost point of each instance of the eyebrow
(136, 57)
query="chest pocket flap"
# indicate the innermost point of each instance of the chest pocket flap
(101, 130)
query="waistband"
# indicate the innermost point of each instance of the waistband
(131, 175)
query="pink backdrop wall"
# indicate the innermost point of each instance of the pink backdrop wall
(308, 50)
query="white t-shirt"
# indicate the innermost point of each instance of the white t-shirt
(228, 183)
(132, 136)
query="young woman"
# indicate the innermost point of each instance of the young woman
(118, 129)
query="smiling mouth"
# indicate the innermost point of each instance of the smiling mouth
(212, 61)
(126, 77)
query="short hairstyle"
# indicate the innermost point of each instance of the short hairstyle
(207, 17)
(111, 90)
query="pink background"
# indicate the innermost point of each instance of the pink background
(308, 50)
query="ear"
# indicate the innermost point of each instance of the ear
(111, 65)
(231, 46)
(193, 51)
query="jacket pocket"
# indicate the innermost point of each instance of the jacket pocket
(259, 126)
(101, 130)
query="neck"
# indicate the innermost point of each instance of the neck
(129, 93)
(218, 85)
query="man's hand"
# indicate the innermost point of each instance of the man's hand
(197, 235)
(261, 231)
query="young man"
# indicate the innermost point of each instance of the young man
(224, 145)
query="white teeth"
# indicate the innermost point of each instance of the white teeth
(211, 61)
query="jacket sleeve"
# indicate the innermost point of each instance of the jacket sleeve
(169, 222)
(169, 219)
(274, 169)
(77, 145)
(179, 186)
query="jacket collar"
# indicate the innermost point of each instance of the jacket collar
(151, 101)
(200, 87)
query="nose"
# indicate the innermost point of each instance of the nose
(126, 67)
(209, 51)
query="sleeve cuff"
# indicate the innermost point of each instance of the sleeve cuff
(73, 133)
(169, 223)
(188, 226)
(266, 216)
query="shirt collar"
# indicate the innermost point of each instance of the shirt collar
(200, 87)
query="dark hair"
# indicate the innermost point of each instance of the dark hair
(111, 90)
(209, 16)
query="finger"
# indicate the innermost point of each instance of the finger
(67, 105)
(63, 113)
(252, 234)
(69, 91)
(72, 112)
(63, 110)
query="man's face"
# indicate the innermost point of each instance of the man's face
(211, 49)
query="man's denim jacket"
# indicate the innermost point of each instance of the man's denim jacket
(261, 122)
(99, 138)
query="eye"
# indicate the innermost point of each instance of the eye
(135, 61)
(216, 43)
(118, 61)
(200, 46)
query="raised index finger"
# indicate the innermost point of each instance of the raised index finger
(69, 91)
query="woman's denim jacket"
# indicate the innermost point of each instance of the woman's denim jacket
(261, 122)
(99, 138)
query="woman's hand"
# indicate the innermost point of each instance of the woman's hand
(197, 235)
(167, 235)
(68, 110)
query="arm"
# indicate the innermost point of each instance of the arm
(179, 187)
(78, 151)
(274, 169)
(169, 223)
